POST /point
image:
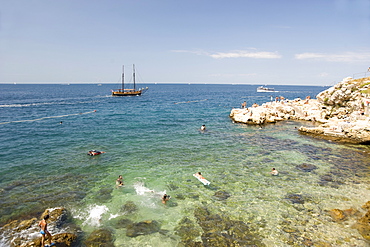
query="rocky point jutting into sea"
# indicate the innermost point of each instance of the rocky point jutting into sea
(341, 112)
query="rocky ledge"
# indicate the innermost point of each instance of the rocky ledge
(25, 233)
(340, 112)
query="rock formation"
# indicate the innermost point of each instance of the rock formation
(26, 233)
(341, 112)
(362, 224)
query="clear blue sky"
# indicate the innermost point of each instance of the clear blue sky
(288, 42)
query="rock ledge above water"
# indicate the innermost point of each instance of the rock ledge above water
(341, 112)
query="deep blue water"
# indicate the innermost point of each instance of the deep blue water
(154, 142)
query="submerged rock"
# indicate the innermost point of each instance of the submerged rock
(188, 230)
(337, 214)
(363, 224)
(306, 167)
(295, 198)
(142, 228)
(104, 194)
(366, 206)
(123, 223)
(221, 195)
(129, 207)
(101, 237)
(221, 231)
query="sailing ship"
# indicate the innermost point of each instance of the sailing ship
(128, 92)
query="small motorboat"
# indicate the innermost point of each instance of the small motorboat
(262, 89)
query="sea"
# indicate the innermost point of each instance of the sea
(154, 141)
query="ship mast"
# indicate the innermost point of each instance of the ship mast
(133, 75)
(123, 77)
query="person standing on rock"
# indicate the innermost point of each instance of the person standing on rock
(44, 230)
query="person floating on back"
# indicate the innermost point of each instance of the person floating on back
(200, 177)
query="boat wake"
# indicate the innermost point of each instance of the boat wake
(43, 118)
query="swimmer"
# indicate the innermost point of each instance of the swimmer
(165, 198)
(274, 172)
(94, 152)
(203, 127)
(44, 230)
(119, 181)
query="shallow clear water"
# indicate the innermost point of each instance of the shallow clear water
(155, 143)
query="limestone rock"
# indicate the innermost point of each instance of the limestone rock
(366, 206)
(25, 233)
(363, 225)
(337, 214)
(343, 112)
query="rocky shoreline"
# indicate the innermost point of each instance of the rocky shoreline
(341, 112)
(25, 233)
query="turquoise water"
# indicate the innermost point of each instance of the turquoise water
(155, 143)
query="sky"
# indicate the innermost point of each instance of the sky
(267, 42)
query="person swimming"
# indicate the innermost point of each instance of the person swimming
(203, 127)
(165, 198)
(94, 152)
(119, 181)
(274, 172)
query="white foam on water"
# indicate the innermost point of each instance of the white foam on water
(112, 216)
(93, 215)
(142, 190)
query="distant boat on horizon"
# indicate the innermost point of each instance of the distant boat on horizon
(128, 92)
(263, 89)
